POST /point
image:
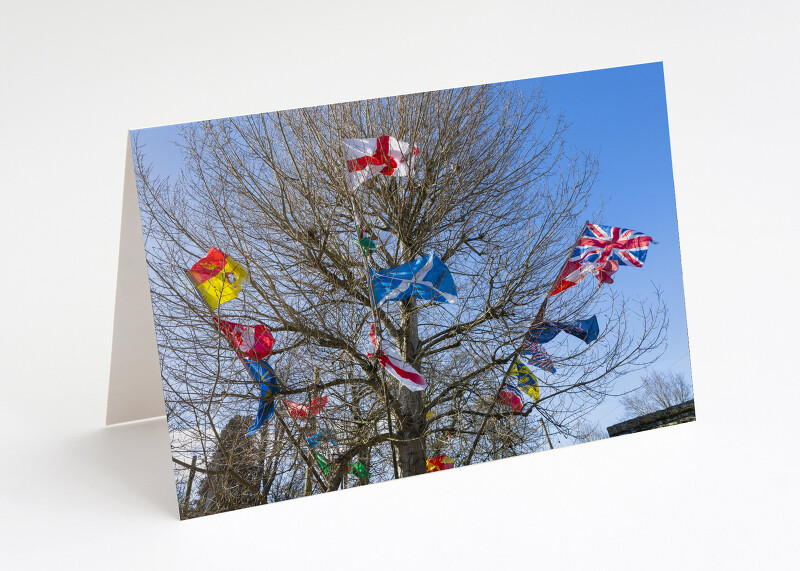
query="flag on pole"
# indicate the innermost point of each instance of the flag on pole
(367, 243)
(526, 380)
(437, 463)
(218, 277)
(367, 158)
(304, 412)
(268, 382)
(255, 341)
(511, 396)
(323, 463)
(586, 330)
(574, 272)
(423, 278)
(396, 367)
(537, 356)
(358, 470)
(325, 434)
(600, 251)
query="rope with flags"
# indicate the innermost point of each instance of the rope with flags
(599, 250)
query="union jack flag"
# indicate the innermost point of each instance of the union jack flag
(537, 356)
(600, 251)
(600, 244)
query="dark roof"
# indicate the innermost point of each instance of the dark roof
(676, 414)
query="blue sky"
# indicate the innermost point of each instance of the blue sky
(621, 115)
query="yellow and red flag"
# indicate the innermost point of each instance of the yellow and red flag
(218, 277)
(443, 462)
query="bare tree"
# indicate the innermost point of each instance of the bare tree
(495, 191)
(659, 390)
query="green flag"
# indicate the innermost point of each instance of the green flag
(359, 470)
(365, 242)
(323, 464)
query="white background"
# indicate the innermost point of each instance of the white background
(717, 493)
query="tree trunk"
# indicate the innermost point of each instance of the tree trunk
(409, 431)
(411, 422)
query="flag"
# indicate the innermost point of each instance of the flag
(586, 330)
(304, 412)
(323, 463)
(367, 244)
(423, 278)
(526, 380)
(537, 356)
(268, 382)
(358, 470)
(437, 463)
(255, 341)
(396, 367)
(574, 272)
(218, 277)
(601, 250)
(367, 158)
(511, 396)
(325, 434)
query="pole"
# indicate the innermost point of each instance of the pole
(539, 318)
(311, 426)
(378, 335)
(545, 432)
(189, 485)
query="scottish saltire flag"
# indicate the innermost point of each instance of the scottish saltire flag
(437, 463)
(367, 158)
(537, 356)
(268, 382)
(511, 396)
(395, 366)
(325, 434)
(255, 341)
(423, 278)
(526, 380)
(304, 412)
(218, 277)
(600, 251)
(586, 330)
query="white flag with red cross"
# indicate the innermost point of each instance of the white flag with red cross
(367, 158)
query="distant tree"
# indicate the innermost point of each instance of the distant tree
(236, 471)
(659, 390)
(584, 432)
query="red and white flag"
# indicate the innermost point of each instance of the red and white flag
(367, 158)
(574, 272)
(255, 341)
(304, 412)
(396, 367)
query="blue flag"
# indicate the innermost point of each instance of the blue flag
(586, 330)
(325, 434)
(265, 377)
(423, 278)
